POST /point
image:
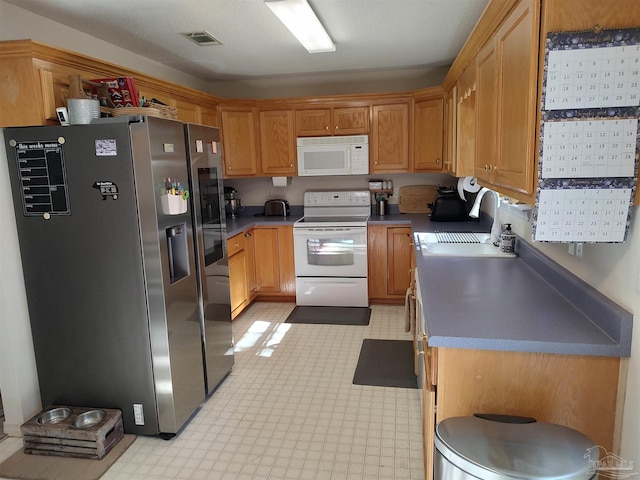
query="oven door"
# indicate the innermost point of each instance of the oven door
(330, 251)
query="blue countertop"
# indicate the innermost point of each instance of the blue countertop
(528, 303)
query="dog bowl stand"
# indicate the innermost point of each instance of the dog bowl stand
(64, 440)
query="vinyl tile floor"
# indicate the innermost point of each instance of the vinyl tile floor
(289, 410)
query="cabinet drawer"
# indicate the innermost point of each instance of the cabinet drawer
(236, 244)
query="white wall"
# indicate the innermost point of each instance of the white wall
(18, 376)
(614, 270)
(19, 24)
(255, 191)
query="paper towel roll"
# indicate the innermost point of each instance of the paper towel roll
(467, 184)
(279, 181)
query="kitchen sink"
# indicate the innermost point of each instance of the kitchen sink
(459, 244)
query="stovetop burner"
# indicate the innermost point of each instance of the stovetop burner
(336, 207)
(360, 220)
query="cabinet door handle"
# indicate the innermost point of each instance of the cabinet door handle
(336, 127)
(437, 160)
(327, 127)
(247, 235)
(291, 165)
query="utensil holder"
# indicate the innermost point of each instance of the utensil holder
(173, 204)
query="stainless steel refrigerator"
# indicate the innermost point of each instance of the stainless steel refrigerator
(105, 217)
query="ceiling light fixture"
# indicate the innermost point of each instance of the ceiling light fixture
(300, 19)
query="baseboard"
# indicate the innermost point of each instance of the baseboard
(12, 429)
(386, 301)
(274, 298)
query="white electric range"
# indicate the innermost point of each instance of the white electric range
(330, 247)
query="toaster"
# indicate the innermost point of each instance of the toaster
(276, 208)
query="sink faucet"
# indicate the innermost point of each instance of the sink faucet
(475, 212)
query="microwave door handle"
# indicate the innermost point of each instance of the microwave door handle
(348, 163)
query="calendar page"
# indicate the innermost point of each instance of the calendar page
(589, 137)
(593, 77)
(570, 214)
(589, 147)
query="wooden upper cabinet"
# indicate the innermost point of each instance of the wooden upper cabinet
(277, 142)
(313, 123)
(389, 142)
(239, 142)
(428, 131)
(188, 112)
(332, 121)
(209, 116)
(486, 111)
(350, 120)
(518, 67)
(466, 123)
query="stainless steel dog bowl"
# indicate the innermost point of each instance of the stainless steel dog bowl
(88, 419)
(55, 415)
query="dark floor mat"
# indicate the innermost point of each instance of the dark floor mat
(330, 315)
(386, 363)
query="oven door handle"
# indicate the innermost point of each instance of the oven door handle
(303, 231)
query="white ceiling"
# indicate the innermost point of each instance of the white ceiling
(374, 38)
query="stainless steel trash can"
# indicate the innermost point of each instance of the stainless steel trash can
(497, 447)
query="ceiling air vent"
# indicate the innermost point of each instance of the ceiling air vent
(202, 38)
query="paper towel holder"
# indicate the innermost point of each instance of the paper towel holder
(279, 181)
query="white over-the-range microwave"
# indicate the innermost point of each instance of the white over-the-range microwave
(347, 155)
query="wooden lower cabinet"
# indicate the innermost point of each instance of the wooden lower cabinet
(576, 391)
(241, 268)
(274, 260)
(428, 407)
(390, 261)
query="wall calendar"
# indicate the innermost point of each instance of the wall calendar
(589, 137)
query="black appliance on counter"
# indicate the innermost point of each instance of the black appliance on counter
(449, 207)
(276, 208)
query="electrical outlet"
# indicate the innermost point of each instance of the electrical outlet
(269, 193)
(579, 248)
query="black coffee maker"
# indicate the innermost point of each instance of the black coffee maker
(449, 207)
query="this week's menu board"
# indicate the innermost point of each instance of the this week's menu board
(589, 138)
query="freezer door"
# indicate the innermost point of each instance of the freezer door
(211, 250)
(76, 210)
